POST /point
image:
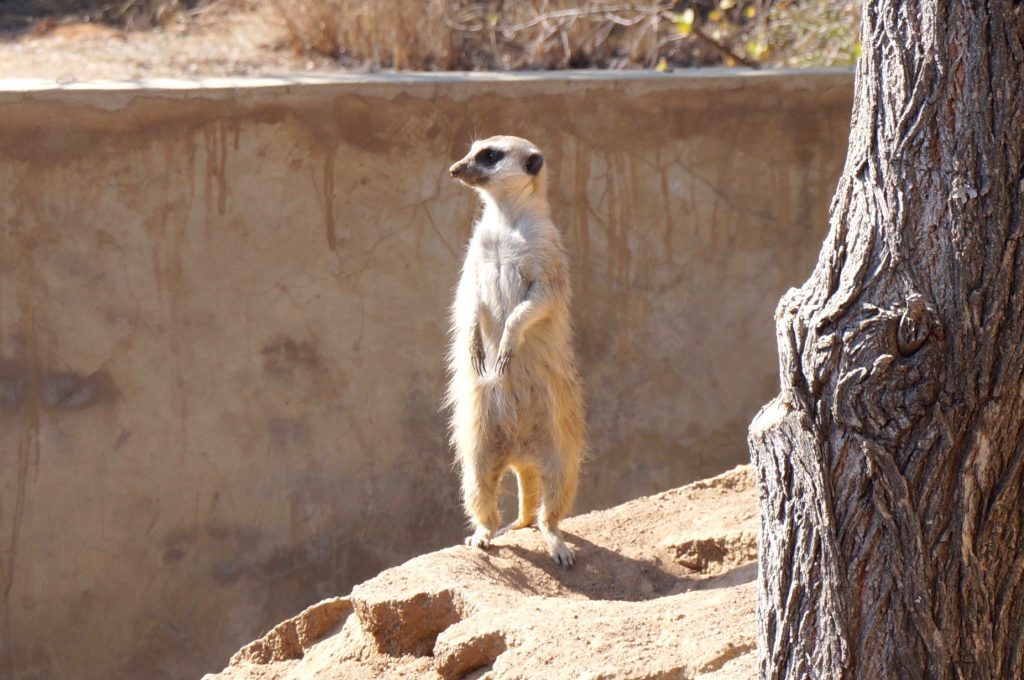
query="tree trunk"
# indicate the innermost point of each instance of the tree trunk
(890, 465)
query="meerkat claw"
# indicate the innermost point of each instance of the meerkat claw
(476, 352)
(478, 364)
(559, 551)
(503, 361)
(477, 542)
(480, 539)
(564, 557)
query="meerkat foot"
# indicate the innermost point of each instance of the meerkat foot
(559, 551)
(481, 538)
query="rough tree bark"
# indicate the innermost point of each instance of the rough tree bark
(890, 466)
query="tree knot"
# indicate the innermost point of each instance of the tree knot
(879, 391)
(915, 325)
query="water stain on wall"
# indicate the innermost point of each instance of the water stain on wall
(284, 434)
(215, 142)
(283, 355)
(326, 196)
(21, 384)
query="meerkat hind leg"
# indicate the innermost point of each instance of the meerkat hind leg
(559, 490)
(481, 498)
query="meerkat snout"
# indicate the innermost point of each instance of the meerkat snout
(466, 173)
(457, 169)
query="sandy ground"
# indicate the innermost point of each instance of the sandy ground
(664, 587)
(223, 39)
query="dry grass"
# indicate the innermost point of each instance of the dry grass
(505, 34)
(558, 34)
(487, 34)
(393, 33)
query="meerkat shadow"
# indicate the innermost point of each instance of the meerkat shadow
(603, 574)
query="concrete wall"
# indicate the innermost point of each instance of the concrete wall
(223, 314)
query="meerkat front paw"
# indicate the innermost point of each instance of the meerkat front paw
(479, 360)
(477, 357)
(481, 538)
(504, 359)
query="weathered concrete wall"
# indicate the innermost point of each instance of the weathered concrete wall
(223, 315)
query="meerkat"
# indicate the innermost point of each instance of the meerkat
(514, 391)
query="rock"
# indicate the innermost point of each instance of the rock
(407, 622)
(291, 638)
(464, 649)
(704, 552)
(663, 588)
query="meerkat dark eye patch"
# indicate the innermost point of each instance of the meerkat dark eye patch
(534, 163)
(489, 156)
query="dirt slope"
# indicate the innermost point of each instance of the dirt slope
(663, 588)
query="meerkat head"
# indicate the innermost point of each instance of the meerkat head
(502, 166)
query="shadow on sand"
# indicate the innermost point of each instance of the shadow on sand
(603, 574)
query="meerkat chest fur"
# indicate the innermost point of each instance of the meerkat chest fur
(508, 260)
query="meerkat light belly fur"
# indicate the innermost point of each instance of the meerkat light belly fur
(514, 391)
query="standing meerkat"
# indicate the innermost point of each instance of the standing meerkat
(514, 391)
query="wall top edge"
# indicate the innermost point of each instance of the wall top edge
(287, 81)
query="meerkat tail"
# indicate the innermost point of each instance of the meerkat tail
(529, 497)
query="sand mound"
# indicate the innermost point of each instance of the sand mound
(663, 588)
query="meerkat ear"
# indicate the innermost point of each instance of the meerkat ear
(534, 163)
